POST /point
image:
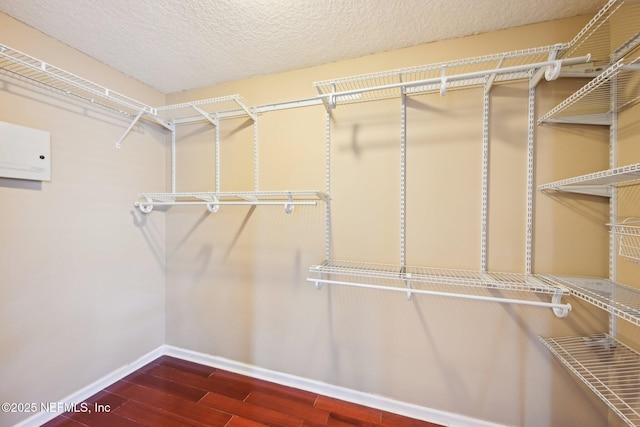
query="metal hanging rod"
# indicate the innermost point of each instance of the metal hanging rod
(400, 278)
(213, 200)
(476, 77)
(561, 310)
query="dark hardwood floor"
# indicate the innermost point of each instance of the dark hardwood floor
(173, 392)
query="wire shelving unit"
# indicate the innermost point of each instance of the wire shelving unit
(40, 72)
(450, 75)
(616, 298)
(596, 37)
(592, 104)
(455, 283)
(597, 183)
(609, 368)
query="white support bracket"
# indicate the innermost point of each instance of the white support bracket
(126, 132)
(549, 72)
(145, 207)
(288, 207)
(212, 118)
(443, 82)
(492, 77)
(155, 118)
(247, 110)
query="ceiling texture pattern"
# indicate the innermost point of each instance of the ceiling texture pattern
(176, 45)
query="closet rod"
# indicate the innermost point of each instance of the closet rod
(552, 73)
(560, 309)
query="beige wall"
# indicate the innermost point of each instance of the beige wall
(85, 290)
(82, 274)
(236, 279)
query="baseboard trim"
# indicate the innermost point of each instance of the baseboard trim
(93, 388)
(329, 390)
(318, 387)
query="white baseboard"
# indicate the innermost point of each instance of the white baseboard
(318, 387)
(83, 394)
(329, 390)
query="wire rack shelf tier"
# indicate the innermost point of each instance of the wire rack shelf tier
(597, 183)
(597, 38)
(213, 200)
(442, 282)
(618, 299)
(608, 367)
(398, 275)
(591, 104)
(35, 70)
(229, 106)
(438, 71)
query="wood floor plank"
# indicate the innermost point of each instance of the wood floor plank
(62, 421)
(337, 420)
(341, 409)
(102, 419)
(170, 403)
(183, 391)
(395, 420)
(302, 410)
(170, 392)
(267, 387)
(185, 365)
(149, 416)
(243, 422)
(250, 411)
(107, 400)
(218, 385)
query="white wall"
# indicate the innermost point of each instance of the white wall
(82, 273)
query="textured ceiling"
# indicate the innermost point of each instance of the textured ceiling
(175, 45)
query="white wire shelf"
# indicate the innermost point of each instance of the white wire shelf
(608, 367)
(225, 107)
(213, 200)
(596, 37)
(628, 236)
(40, 72)
(436, 282)
(591, 104)
(618, 299)
(463, 73)
(597, 183)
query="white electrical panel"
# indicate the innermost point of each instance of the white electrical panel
(25, 153)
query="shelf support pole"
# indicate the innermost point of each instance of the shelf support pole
(485, 177)
(173, 159)
(530, 171)
(256, 158)
(613, 201)
(403, 177)
(327, 185)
